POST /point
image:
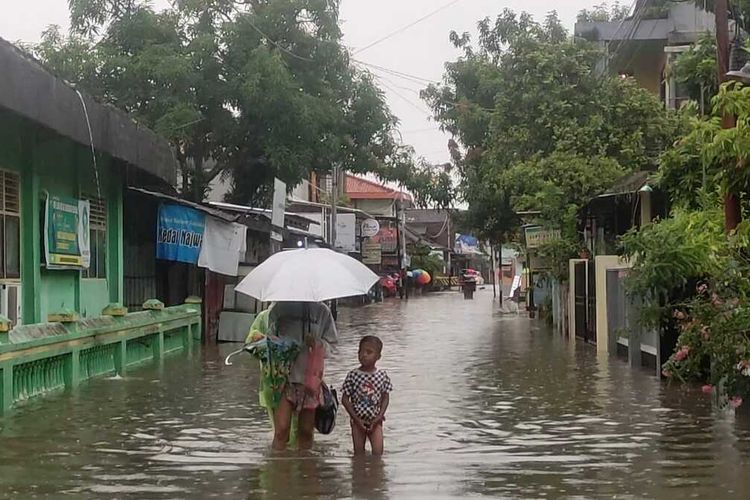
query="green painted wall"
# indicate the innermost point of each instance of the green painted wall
(49, 163)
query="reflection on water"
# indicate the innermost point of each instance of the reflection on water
(483, 405)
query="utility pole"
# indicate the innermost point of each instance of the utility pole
(498, 273)
(732, 213)
(402, 244)
(334, 199)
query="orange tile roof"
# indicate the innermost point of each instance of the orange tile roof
(357, 188)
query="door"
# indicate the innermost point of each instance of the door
(580, 302)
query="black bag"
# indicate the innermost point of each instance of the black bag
(325, 414)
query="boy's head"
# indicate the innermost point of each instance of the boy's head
(370, 350)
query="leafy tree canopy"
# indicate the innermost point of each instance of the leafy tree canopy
(537, 127)
(250, 90)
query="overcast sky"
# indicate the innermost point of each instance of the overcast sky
(419, 51)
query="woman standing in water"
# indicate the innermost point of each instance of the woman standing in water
(312, 327)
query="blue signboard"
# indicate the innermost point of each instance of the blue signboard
(179, 233)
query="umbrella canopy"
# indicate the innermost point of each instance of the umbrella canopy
(307, 275)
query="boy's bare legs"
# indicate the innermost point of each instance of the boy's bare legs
(306, 430)
(376, 439)
(359, 437)
(282, 424)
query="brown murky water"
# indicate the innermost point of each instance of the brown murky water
(484, 406)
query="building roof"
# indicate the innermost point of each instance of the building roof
(29, 90)
(357, 188)
(631, 29)
(630, 183)
(426, 216)
(682, 22)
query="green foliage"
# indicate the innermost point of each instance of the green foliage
(558, 254)
(684, 174)
(697, 70)
(714, 343)
(248, 90)
(422, 259)
(710, 159)
(669, 255)
(540, 129)
(604, 12)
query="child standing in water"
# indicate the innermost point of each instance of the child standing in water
(365, 396)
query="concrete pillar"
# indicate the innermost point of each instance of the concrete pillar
(158, 345)
(31, 248)
(121, 360)
(646, 210)
(73, 369)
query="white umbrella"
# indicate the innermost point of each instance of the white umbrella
(307, 275)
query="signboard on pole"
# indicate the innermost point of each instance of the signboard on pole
(279, 204)
(346, 229)
(372, 253)
(179, 233)
(370, 228)
(537, 236)
(66, 233)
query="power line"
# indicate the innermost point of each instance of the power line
(406, 99)
(404, 28)
(276, 44)
(399, 74)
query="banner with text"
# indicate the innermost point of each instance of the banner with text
(66, 233)
(179, 233)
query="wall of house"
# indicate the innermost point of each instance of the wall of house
(376, 207)
(647, 70)
(51, 164)
(603, 263)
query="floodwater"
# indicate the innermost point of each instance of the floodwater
(484, 405)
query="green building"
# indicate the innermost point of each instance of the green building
(60, 149)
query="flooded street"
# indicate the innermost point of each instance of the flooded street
(483, 405)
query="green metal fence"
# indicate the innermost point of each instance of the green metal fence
(38, 359)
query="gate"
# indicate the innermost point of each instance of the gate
(585, 301)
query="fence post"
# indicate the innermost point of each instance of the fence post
(6, 388)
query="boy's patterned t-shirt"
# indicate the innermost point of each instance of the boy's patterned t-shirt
(365, 391)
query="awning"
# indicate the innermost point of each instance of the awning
(206, 209)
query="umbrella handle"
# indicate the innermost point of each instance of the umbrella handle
(226, 360)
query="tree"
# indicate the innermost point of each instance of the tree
(536, 126)
(249, 90)
(698, 71)
(694, 274)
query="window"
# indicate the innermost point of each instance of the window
(97, 239)
(10, 226)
